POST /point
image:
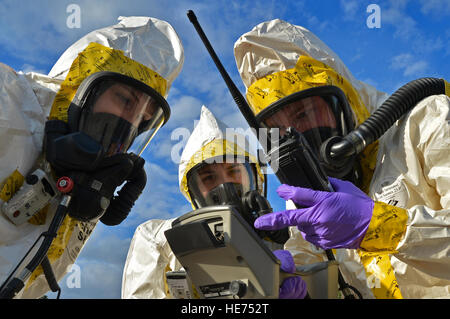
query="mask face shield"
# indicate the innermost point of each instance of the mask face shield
(205, 179)
(119, 112)
(318, 113)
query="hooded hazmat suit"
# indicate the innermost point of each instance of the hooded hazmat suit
(28, 100)
(149, 256)
(405, 252)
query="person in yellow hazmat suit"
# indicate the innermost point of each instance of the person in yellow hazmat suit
(388, 219)
(214, 160)
(87, 122)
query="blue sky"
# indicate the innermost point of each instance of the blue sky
(412, 42)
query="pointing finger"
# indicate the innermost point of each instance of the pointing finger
(301, 196)
(279, 220)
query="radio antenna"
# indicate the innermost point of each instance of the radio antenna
(235, 93)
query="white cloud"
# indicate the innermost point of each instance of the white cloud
(45, 27)
(350, 8)
(316, 24)
(436, 7)
(108, 247)
(396, 16)
(235, 119)
(418, 67)
(31, 68)
(184, 110)
(407, 28)
(161, 197)
(409, 64)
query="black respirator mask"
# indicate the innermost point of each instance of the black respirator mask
(318, 113)
(109, 115)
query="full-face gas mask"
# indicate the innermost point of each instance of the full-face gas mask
(318, 113)
(114, 109)
(109, 115)
(231, 183)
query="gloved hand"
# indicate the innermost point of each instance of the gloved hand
(93, 191)
(120, 205)
(329, 220)
(292, 287)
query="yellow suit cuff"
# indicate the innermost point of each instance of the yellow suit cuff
(386, 228)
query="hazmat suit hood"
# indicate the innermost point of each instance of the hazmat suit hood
(277, 45)
(276, 59)
(161, 51)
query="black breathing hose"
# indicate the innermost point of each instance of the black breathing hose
(337, 149)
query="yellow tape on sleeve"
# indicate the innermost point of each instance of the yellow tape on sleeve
(386, 228)
(166, 286)
(57, 247)
(11, 185)
(447, 88)
(380, 276)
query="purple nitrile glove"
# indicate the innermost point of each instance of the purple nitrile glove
(292, 287)
(329, 219)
